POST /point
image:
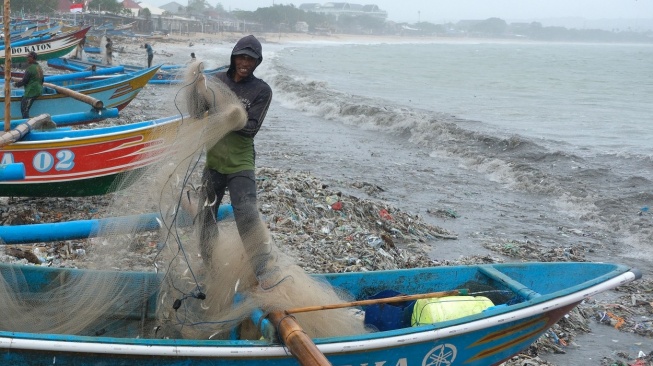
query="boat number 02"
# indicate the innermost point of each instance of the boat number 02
(44, 161)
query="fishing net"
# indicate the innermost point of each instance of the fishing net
(181, 295)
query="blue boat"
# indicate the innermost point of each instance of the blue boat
(79, 77)
(534, 297)
(91, 49)
(167, 74)
(115, 92)
(64, 162)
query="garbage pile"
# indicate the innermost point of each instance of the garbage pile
(326, 230)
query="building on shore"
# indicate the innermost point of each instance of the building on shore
(346, 9)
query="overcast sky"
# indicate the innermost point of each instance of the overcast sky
(437, 11)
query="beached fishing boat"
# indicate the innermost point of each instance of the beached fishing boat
(66, 162)
(33, 33)
(48, 47)
(115, 92)
(79, 77)
(527, 299)
(168, 74)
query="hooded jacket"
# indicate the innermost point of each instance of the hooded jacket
(235, 152)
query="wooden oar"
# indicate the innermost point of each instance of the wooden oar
(95, 103)
(298, 342)
(23, 129)
(384, 300)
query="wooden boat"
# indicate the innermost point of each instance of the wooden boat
(168, 74)
(66, 162)
(32, 32)
(48, 48)
(116, 92)
(91, 49)
(27, 41)
(79, 77)
(125, 26)
(539, 295)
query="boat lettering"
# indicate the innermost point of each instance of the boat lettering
(29, 48)
(7, 158)
(400, 362)
(44, 161)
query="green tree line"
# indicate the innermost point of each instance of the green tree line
(283, 18)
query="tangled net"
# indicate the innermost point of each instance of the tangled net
(182, 296)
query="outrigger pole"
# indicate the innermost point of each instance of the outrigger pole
(6, 20)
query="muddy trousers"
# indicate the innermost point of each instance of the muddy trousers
(25, 105)
(149, 60)
(242, 192)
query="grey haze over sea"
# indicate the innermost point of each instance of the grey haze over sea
(549, 142)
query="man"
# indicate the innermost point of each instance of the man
(33, 83)
(230, 162)
(150, 54)
(79, 50)
(109, 51)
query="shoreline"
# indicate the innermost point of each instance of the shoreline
(307, 38)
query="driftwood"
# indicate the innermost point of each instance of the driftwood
(23, 254)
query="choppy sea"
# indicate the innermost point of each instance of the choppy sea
(591, 99)
(564, 124)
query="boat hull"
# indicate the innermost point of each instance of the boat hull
(168, 74)
(86, 162)
(115, 92)
(484, 339)
(491, 346)
(49, 48)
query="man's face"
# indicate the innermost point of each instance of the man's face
(245, 66)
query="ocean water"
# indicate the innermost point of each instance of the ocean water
(526, 141)
(594, 97)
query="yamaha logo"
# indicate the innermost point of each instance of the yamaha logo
(442, 355)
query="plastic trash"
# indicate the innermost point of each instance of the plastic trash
(388, 316)
(433, 310)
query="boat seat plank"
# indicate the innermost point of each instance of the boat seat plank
(512, 284)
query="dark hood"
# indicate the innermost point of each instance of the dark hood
(248, 45)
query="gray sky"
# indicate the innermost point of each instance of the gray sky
(454, 10)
